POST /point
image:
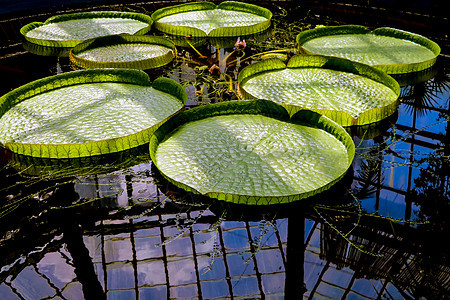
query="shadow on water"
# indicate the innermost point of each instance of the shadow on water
(113, 228)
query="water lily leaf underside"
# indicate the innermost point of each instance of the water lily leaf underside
(253, 158)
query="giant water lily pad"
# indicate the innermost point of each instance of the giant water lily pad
(391, 50)
(51, 168)
(348, 92)
(46, 50)
(70, 29)
(251, 152)
(200, 19)
(123, 51)
(218, 42)
(86, 113)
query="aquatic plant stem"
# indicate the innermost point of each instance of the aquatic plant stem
(196, 51)
(261, 53)
(344, 236)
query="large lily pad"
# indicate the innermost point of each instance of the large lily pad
(123, 51)
(201, 19)
(86, 113)
(51, 168)
(70, 29)
(251, 152)
(347, 92)
(391, 50)
(218, 42)
(46, 50)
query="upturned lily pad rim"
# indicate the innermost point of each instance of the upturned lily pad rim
(91, 76)
(79, 166)
(310, 34)
(113, 40)
(82, 15)
(255, 107)
(46, 50)
(218, 32)
(326, 62)
(218, 42)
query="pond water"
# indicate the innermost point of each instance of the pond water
(111, 227)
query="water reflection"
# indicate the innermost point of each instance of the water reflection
(122, 232)
(177, 250)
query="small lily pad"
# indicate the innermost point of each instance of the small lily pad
(347, 92)
(86, 113)
(251, 152)
(70, 29)
(391, 50)
(201, 19)
(123, 51)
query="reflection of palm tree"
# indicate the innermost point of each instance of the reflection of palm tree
(432, 187)
(367, 179)
(370, 173)
(432, 191)
(422, 96)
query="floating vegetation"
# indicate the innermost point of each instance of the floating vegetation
(200, 19)
(391, 50)
(124, 202)
(124, 51)
(71, 29)
(86, 113)
(83, 166)
(251, 152)
(347, 92)
(46, 50)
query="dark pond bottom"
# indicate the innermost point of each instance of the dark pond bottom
(111, 227)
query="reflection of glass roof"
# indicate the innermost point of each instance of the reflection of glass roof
(239, 258)
(163, 250)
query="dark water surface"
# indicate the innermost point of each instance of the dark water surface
(111, 227)
(11, 6)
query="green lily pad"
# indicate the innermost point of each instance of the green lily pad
(391, 50)
(70, 29)
(123, 51)
(46, 50)
(347, 92)
(201, 19)
(51, 168)
(251, 152)
(218, 42)
(86, 113)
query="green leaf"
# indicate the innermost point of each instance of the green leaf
(347, 92)
(70, 29)
(391, 50)
(86, 113)
(50, 168)
(251, 152)
(123, 51)
(46, 50)
(201, 19)
(218, 42)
